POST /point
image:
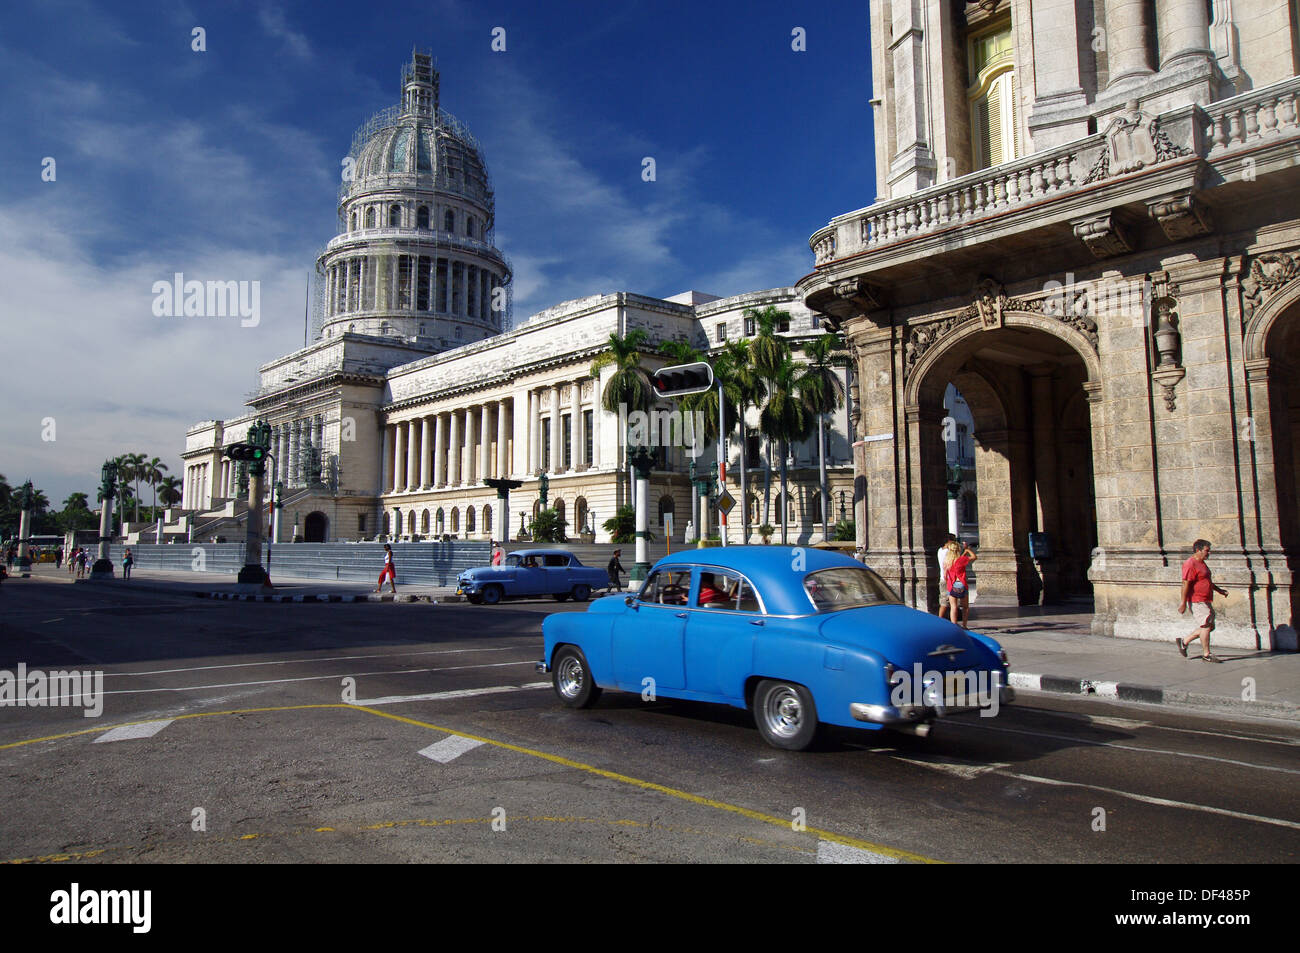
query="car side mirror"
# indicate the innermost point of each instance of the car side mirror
(629, 601)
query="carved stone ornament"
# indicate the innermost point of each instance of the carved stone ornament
(859, 293)
(1169, 371)
(1180, 216)
(990, 305)
(1267, 274)
(1133, 141)
(1104, 235)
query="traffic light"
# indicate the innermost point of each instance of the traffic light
(681, 379)
(246, 451)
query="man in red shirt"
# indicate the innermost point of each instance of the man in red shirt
(1199, 590)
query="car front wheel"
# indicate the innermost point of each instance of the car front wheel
(492, 595)
(572, 680)
(785, 714)
(581, 592)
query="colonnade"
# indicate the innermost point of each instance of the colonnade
(410, 283)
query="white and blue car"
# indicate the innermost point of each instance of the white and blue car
(532, 572)
(800, 637)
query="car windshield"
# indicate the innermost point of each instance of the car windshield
(847, 588)
(512, 560)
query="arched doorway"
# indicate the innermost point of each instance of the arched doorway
(580, 514)
(315, 527)
(1027, 391)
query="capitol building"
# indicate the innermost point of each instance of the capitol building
(419, 386)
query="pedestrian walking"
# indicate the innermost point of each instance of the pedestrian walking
(614, 568)
(390, 571)
(958, 590)
(127, 562)
(81, 564)
(498, 555)
(58, 558)
(1198, 592)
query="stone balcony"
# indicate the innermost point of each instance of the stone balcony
(1108, 191)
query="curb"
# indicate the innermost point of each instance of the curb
(1150, 695)
(320, 597)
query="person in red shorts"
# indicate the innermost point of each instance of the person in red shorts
(390, 571)
(1198, 591)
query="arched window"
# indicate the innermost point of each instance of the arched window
(487, 518)
(580, 513)
(354, 222)
(776, 509)
(397, 522)
(469, 520)
(424, 522)
(449, 221)
(440, 520)
(992, 93)
(385, 524)
(665, 506)
(394, 216)
(370, 217)
(455, 520)
(469, 226)
(422, 217)
(815, 507)
(410, 523)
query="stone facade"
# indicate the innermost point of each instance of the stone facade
(1116, 300)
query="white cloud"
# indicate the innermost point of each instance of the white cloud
(273, 22)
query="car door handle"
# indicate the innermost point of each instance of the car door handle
(756, 622)
(680, 615)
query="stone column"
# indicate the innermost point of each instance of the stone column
(557, 455)
(439, 452)
(519, 407)
(1184, 29)
(399, 457)
(575, 427)
(503, 443)
(534, 432)
(295, 444)
(412, 456)
(385, 463)
(913, 166)
(485, 442)
(453, 451)
(1126, 40)
(426, 454)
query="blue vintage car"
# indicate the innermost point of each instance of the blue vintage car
(532, 572)
(801, 637)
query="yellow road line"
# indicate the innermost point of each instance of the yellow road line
(552, 758)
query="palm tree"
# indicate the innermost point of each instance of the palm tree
(785, 418)
(746, 388)
(153, 474)
(170, 491)
(134, 464)
(822, 392)
(629, 387)
(768, 352)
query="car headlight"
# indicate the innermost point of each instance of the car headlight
(1002, 657)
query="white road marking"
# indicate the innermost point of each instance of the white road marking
(1148, 799)
(1111, 744)
(1031, 682)
(295, 661)
(458, 693)
(48, 621)
(449, 748)
(829, 852)
(962, 769)
(316, 678)
(125, 733)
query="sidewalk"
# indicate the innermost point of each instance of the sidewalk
(1051, 648)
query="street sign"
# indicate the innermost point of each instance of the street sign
(725, 502)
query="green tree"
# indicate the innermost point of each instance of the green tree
(153, 475)
(823, 393)
(629, 386)
(622, 526)
(170, 490)
(76, 513)
(745, 386)
(785, 419)
(131, 469)
(548, 527)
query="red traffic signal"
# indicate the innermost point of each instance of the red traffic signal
(681, 379)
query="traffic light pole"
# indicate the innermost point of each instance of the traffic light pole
(722, 460)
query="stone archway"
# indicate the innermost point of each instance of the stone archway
(316, 527)
(1024, 383)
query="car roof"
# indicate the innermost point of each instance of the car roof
(770, 568)
(541, 552)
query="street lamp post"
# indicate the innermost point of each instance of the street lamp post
(103, 567)
(255, 451)
(642, 460)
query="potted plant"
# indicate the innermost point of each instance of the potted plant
(766, 531)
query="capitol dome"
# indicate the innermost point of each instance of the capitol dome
(415, 258)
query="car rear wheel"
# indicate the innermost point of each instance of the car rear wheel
(785, 714)
(572, 679)
(581, 592)
(492, 594)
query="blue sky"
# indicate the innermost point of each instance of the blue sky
(224, 164)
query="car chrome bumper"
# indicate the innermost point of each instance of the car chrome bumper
(911, 714)
(541, 667)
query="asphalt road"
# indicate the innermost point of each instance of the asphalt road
(416, 732)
